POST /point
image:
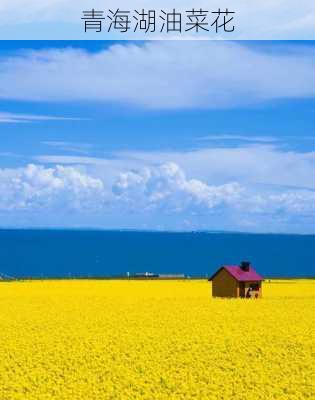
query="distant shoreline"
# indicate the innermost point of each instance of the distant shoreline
(124, 278)
(109, 230)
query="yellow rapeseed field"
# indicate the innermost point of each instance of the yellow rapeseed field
(155, 340)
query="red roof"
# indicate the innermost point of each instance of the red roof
(239, 274)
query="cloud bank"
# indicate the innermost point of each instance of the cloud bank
(167, 187)
(250, 165)
(161, 75)
(150, 193)
(35, 187)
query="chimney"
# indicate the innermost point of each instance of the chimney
(245, 265)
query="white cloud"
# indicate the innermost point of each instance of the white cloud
(289, 203)
(37, 187)
(161, 75)
(250, 165)
(167, 187)
(6, 117)
(156, 194)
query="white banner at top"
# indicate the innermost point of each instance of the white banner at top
(157, 20)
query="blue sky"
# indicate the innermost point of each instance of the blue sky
(158, 135)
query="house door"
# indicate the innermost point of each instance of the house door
(242, 289)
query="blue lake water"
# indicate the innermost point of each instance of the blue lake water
(56, 253)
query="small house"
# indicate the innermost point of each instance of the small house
(237, 281)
